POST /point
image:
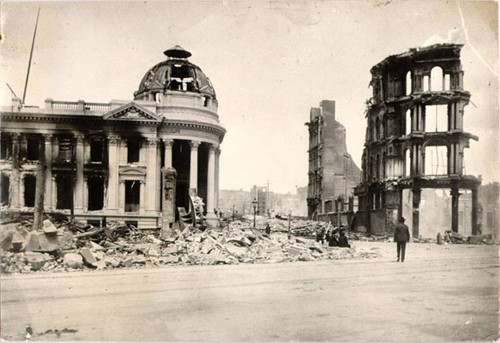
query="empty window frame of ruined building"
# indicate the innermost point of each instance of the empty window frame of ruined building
(407, 162)
(436, 160)
(436, 118)
(32, 148)
(4, 189)
(408, 83)
(64, 186)
(436, 80)
(95, 193)
(408, 125)
(65, 149)
(132, 195)
(96, 151)
(133, 150)
(94, 222)
(29, 190)
(5, 148)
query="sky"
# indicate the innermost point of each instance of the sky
(269, 61)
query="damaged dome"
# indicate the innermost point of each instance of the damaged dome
(175, 74)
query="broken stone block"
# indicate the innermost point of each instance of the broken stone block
(74, 261)
(48, 242)
(6, 239)
(100, 265)
(88, 257)
(127, 262)
(96, 246)
(36, 260)
(49, 228)
(17, 242)
(139, 259)
(112, 261)
(170, 250)
(66, 241)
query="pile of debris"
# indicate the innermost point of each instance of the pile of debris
(456, 238)
(66, 246)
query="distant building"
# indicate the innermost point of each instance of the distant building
(332, 172)
(263, 198)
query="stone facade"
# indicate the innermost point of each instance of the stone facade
(415, 137)
(332, 172)
(104, 160)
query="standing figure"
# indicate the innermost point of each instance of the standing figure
(343, 241)
(268, 230)
(401, 237)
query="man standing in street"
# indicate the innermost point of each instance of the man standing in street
(401, 236)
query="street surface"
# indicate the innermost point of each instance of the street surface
(440, 293)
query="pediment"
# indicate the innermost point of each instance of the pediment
(132, 112)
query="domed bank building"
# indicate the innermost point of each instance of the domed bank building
(112, 161)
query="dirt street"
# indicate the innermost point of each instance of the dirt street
(441, 293)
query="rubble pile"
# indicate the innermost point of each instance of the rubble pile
(66, 246)
(456, 238)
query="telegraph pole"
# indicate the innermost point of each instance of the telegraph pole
(31, 56)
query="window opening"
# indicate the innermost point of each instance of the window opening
(33, 150)
(65, 149)
(132, 195)
(436, 79)
(436, 160)
(29, 190)
(4, 189)
(5, 148)
(436, 118)
(96, 151)
(96, 194)
(64, 192)
(408, 83)
(133, 151)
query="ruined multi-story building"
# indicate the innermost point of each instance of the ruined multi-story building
(415, 137)
(332, 172)
(104, 160)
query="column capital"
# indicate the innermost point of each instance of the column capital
(152, 141)
(142, 181)
(195, 144)
(48, 137)
(168, 142)
(213, 148)
(79, 139)
(113, 139)
(15, 136)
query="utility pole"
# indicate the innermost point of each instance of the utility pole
(31, 56)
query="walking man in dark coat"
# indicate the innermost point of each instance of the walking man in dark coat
(401, 236)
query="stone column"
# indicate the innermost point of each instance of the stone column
(150, 200)
(121, 196)
(15, 200)
(79, 185)
(168, 143)
(193, 170)
(416, 212)
(169, 176)
(85, 193)
(212, 219)
(454, 208)
(217, 157)
(112, 189)
(54, 191)
(474, 223)
(142, 196)
(48, 172)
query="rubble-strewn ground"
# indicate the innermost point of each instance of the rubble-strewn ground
(441, 293)
(70, 246)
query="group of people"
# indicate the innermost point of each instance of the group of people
(335, 237)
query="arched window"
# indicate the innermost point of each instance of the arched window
(408, 83)
(436, 79)
(377, 129)
(408, 122)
